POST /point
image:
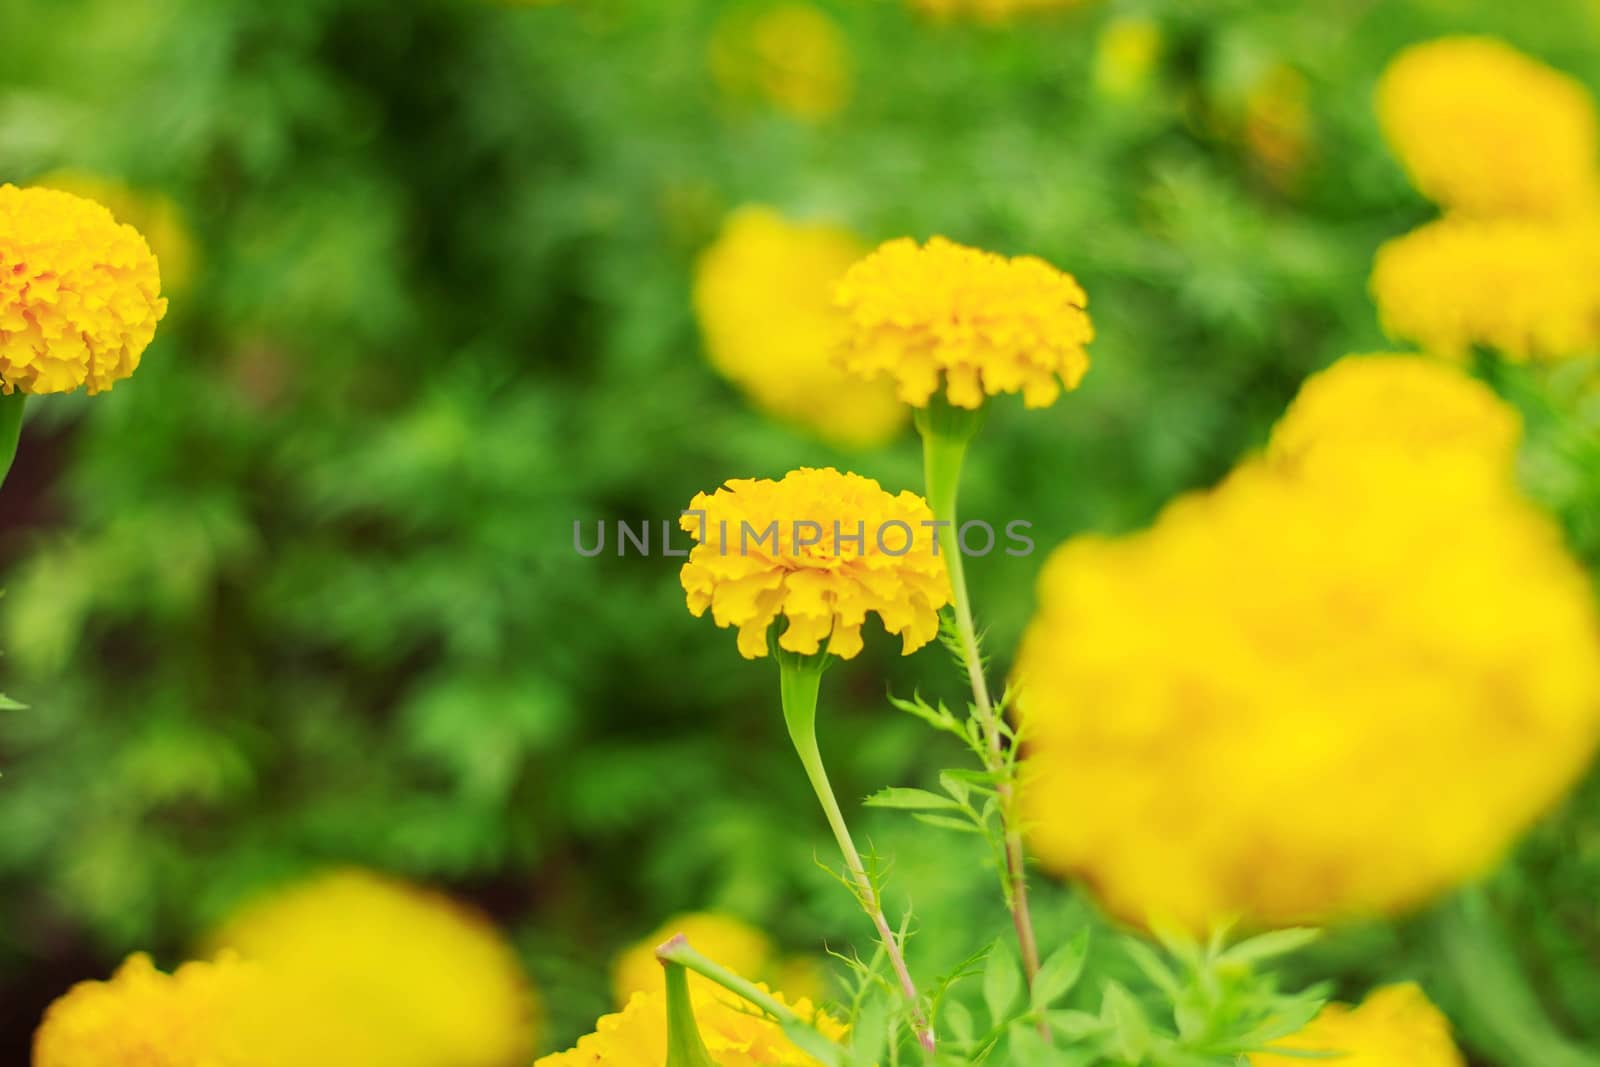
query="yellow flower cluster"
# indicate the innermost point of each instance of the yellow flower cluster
(155, 216)
(348, 969)
(1528, 289)
(1234, 705)
(993, 11)
(791, 55)
(1396, 1026)
(763, 293)
(733, 943)
(1508, 147)
(1484, 130)
(823, 550)
(79, 293)
(733, 1035)
(144, 1018)
(944, 316)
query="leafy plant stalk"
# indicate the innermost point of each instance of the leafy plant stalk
(945, 435)
(800, 679)
(685, 1048)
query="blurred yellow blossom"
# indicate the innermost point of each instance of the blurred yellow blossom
(731, 942)
(377, 973)
(1529, 289)
(1311, 694)
(992, 10)
(944, 316)
(763, 293)
(144, 1018)
(790, 55)
(733, 1033)
(1396, 1026)
(823, 550)
(1125, 55)
(79, 293)
(154, 215)
(1483, 129)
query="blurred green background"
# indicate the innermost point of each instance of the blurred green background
(304, 591)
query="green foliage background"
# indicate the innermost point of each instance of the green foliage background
(303, 591)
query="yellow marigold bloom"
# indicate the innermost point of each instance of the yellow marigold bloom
(733, 1034)
(1310, 694)
(763, 293)
(1391, 407)
(144, 1018)
(1482, 128)
(791, 55)
(993, 11)
(1396, 1026)
(155, 216)
(1527, 289)
(732, 942)
(376, 973)
(823, 550)
(79, 293)
(942, 315)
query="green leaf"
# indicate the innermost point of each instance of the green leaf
(959, 1020)
(1060, 971)
(1158, 972)
(1126, 1019)
(1075, 1025)
(911, 800)
(7, 704)
(944, 822)
(1270, 945)
(1002, 982)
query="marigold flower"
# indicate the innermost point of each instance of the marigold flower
(733, 1034)
(763, 293)
(1396, 1026)
(144, 1018)
(942, 315)
(790, 54)
(992, 11)
(732, 942)
(1527, 289)
(1309, 695)
(79, 293)
(157, 217)
(823, 550)
(1482, 128)
(376, 973)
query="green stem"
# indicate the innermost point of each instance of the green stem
(1499, 1009)
(11, 406)
(684, 1045)
(945, 435)
(800, 678)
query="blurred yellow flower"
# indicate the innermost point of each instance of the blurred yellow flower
(993, 11)
(1125, 55)
(1310, 694)
(790, 55)
(942, 315)
(376, 973)
(1483, 129)
(1393, 407)
(144, 1018)
(155, 216)
(731, 942)
(1277, 123)
(1396, 1026)
(763, 293)
(733, 1034)
(79, 293)
(1530, 290)
(823, 550)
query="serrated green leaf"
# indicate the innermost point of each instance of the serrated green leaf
(1060, 971)
(1002, 982)
(903, 799)
(1269, 945)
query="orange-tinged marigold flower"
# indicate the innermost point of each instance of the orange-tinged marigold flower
(763, 293)
(144, 1018)
(1321, 691)
(377, 973)
(1395, 1026)
(734, 1034)
(821, 549)
(732, 942)
(80, 294)
(1483, 129)
(944, 316)
(1529, 290)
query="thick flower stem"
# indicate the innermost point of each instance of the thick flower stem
(10, 430)
(945, 435)
(1499, 1009)
(684, 1045)
(800, 679)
